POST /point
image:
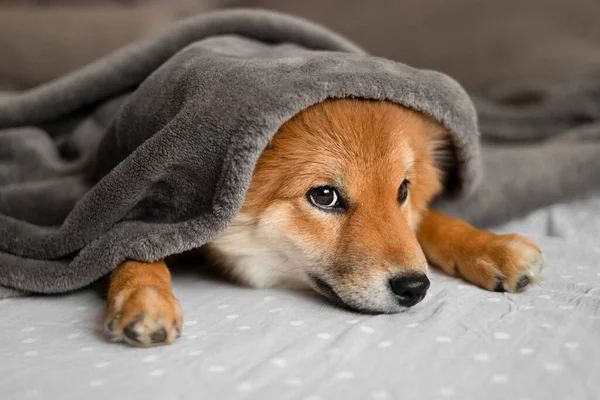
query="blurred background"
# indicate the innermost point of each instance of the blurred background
(484, 44)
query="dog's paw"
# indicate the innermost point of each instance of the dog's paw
(143, 317)
(503, 263)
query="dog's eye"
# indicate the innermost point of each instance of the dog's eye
(324, 197)
(403, 191)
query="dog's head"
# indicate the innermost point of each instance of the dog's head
(339, 194)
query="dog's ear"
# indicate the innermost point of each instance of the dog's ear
(441, 150)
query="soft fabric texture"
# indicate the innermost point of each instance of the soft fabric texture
(461, 342)
(541, 145)
(149, 151)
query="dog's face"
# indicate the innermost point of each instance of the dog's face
(337, 197)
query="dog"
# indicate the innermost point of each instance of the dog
(339, 202)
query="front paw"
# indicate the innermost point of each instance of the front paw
(503, 263)
(143, 317)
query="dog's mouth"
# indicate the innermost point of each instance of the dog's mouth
(327, 290)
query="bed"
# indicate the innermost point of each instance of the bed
(461, 342)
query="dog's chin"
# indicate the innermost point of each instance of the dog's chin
(324, 288)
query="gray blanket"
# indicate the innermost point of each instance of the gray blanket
(148, 152)
(541, 145)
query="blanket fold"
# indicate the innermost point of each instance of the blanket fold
(540, 146)
(148, 152)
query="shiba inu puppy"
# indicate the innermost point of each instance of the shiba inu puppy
(339, 202)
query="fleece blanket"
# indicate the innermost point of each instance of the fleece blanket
(540, 146)
(148, 152)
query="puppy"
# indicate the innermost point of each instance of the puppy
(338, 202)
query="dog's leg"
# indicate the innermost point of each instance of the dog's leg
(494, 262)
(141, 308)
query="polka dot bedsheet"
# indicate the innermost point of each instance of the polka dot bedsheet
(460, 343)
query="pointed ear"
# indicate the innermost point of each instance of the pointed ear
(441, 149)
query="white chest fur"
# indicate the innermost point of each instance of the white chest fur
(250, 253)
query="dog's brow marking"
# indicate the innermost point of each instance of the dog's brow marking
(409, 159)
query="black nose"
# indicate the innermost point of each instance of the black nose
(409, 288)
